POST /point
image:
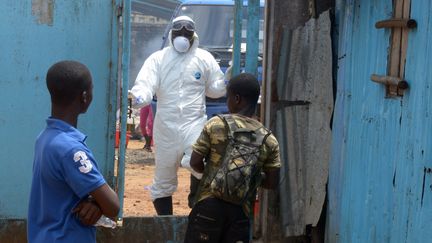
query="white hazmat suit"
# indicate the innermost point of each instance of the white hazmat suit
(181, 81)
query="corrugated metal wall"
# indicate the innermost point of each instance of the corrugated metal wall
(34, 35)
(380, 177)
(298, 106)
(302, 122)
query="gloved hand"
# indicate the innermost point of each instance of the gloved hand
(136, 102)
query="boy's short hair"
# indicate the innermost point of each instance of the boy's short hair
(66, 80)
(246, 85)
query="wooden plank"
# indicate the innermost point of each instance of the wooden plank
(404, 41)
(396, 23)
(388, 80)
(396, 41)
(271, 42)
(394, 60)
(260, 224)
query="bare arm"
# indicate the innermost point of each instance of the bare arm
(88, 211)
(197, 162)
(271, 178)
(107, 200)
(103, 200)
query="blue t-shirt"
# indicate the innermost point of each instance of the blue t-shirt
(64, 173)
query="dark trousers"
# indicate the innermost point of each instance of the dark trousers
(214, 220)
(194, 184)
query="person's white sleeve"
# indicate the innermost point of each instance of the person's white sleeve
(215, 87)
(146, 83)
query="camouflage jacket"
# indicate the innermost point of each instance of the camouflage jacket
(212, 143)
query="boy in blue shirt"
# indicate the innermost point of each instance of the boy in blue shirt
(68, 193)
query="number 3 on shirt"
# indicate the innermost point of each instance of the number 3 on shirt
(86, 165)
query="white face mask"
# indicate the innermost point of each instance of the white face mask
(181, 44)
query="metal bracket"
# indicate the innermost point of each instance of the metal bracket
(396, 23)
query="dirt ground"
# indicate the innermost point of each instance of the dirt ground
(138, 178)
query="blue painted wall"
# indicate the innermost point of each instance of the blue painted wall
(380, 178)
(34, 35)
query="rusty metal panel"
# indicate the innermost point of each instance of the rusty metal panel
(304, 109)
(380, 177)
(34, 35)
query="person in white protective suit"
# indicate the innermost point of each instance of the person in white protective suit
(181, 76)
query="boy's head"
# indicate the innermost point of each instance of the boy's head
(70, 84)
(243, 92)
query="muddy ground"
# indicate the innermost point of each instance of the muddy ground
(138, 178)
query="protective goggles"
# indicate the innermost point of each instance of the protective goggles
(178, 25)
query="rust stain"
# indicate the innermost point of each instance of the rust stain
(43, 10)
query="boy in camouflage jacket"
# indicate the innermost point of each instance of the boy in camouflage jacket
(214, 219)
